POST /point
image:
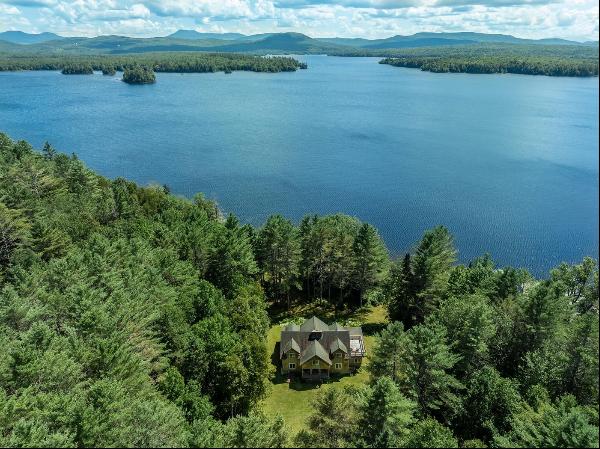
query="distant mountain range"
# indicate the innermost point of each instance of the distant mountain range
(19, 37)
(190, 40)
(195, 35)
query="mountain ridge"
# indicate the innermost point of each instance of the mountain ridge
(20, 37)
(288, 42)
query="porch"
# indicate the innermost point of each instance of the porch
(315, 373)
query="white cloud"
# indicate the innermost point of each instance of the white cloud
(576, 19)
(9, 10)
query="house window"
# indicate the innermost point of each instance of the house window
(291, 355)
(357, 360)
(338, 366)
(315, 361)
(338, 355)
(292, 366)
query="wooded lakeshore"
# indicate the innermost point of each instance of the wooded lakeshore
(133, 317)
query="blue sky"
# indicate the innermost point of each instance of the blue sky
(572, 19)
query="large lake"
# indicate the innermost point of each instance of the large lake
(509, 163)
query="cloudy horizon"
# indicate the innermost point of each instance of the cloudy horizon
(568, 19)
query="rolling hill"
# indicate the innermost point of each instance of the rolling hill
(195, 35)
(441, 39)
(19, 37)
(276, 43)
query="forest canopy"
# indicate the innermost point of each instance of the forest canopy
(132, 317)
(551, 60)
(159, 62)
(139, 75)
(531, 65)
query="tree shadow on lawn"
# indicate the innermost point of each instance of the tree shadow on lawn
(373, 328)
(298, 384)
(322, 309)
(275, 357)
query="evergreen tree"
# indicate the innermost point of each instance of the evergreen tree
(432, 261)
(255, 430)
(563, 424)
(401, 294)
(430, 433)
(231, 262)
(389, 353)
(14, 232)
(427, 371)
(48, 151)
(385, 415)
(370, 259)
(332, 423)
(489, 405)
(279, 254)
(469, 324)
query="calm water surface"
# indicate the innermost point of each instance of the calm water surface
(509, 163)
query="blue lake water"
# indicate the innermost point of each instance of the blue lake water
(509, 163)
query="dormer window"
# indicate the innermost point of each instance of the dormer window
(315, 335)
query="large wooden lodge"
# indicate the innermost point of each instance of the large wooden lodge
(315, 350)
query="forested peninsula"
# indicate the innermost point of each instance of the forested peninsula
(550, 60)
(132, 317)
(498, 64)
(173, 62)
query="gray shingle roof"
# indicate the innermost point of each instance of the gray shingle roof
(338, 344)
(314, 324)
(291, 344)
(292, 327)
(336, 327)
(330, 338)
(315, 349)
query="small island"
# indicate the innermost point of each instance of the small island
(139, 75)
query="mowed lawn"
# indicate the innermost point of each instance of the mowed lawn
(294, 400)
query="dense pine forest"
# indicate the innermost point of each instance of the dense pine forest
(175, 62)
(519, 59)
(549, 66)
(132, 317)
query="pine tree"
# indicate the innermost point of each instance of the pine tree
(431, 265)
(370, 259)
(385, 415)
(401, 295)
(430, 433)
(469, 322)
(279, 254)
(332, 423)
(389, 354)
(428, 365)
(48, 151)
(14, 232)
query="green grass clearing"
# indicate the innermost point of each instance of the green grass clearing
(294, 400)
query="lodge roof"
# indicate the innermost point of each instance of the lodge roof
(315, 338)
(315, 349)
(291, 344)
(314, 324)
(338, 345)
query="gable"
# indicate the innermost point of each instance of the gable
(315, 349)
(313, 324)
